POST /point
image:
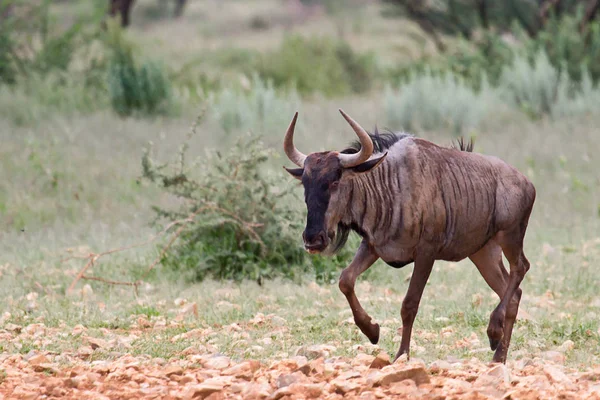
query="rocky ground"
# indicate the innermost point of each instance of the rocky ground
(312, 373)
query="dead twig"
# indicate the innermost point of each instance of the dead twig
(94, 257)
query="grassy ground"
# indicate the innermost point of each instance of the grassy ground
(76, 188)
(72, 183)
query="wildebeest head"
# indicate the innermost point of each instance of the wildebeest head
(325, 177)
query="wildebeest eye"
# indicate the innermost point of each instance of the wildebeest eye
(334, 185)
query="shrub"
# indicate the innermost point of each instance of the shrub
(318, 65)
(568, 46)
(430, 101)
(247, 225)
(261, 109)
(133, 87)
(584, 99)
(30, 43)
(532, 86)
(475, 61)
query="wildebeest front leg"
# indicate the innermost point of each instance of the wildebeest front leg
(410, 305)
(364, 258)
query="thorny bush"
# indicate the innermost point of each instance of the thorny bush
(246, 222)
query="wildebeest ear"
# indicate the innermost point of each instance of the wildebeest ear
(295, 172)
(368, 165)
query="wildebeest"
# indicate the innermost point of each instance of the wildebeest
(123, 7)
(413, 201)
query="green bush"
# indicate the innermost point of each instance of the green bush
(473, 61)
(261, 109)
(575, 99)
(32, 43)
(133, 87)
(319, 65)
(569, 47)
(248, 223)
(429, 102)
(531, 86)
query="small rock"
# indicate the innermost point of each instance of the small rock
(45, 367)
(405, 388)
(343, 386)
(568, 345)
(522, 363)
(38, 359)
(315, 351)
(284, 380)
(554, 356)
(499, 372)
(556, 375)
(439, 365)
(13, 328)
(243, 370)
(593, 375)
(187, 379)
(97, 343)
(203, 390)
(218, 362)
(536, 382)
(362, 359)
(391, 375)
(279, 393)
(78, 330)
(402, 359)
(85, 351)
(309, 390)
(382, 360)
(173, 370)
(256, 391)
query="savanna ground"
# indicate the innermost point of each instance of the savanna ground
(71, 186)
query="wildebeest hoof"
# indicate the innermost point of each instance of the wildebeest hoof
(372, 332)
(494, 343)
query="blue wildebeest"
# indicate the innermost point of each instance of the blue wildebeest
(413, 201)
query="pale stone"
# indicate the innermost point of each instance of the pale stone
(219, 362)
(202, 390)
(315, 351)
(38, 359)
(382, 360)
(173, 370)
(390, 375)
(554, 356)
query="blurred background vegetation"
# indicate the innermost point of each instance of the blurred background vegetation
(81, 95)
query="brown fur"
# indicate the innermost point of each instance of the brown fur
(424, 203)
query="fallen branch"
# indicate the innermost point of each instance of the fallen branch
(94, 257)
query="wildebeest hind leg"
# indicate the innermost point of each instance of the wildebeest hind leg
(488, 261)
(364, 258)
(512, 247)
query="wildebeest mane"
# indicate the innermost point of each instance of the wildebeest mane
(381, 141)
(464, 145)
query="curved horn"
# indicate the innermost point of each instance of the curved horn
(366, 145)
(291, 151)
